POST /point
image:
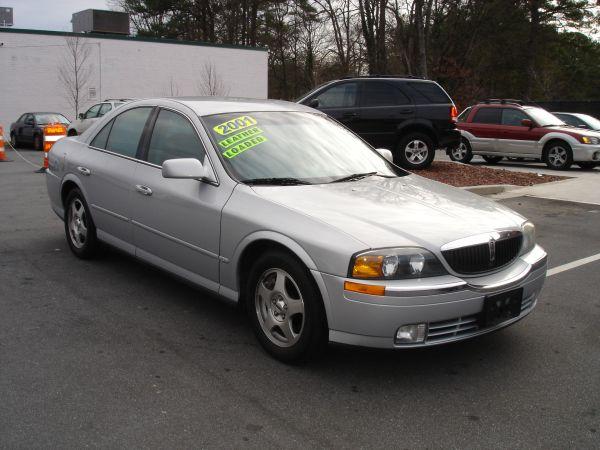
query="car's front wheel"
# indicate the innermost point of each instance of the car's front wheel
(38, 143)
(13, 140)
(415, 151)
(462, 153)
(492, 159)
(79, 226)
(558, 155)
(285, 308)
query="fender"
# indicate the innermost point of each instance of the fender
(72, 178)
(419, 122)
(572, 141)
(228, 268)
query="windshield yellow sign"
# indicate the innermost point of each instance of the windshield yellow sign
(233, 125)
(243, 146)
(237, 138)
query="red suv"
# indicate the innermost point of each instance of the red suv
(498, 128)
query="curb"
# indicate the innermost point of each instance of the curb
(491, 189)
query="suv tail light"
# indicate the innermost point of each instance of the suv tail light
(453, 113)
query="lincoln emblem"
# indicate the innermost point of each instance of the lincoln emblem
(492, 247)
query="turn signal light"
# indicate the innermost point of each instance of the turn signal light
(367, 266)
(369, 289)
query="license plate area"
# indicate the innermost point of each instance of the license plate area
(501, 307)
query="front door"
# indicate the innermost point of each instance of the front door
(514, 137)
(340, 101)
(176, 222)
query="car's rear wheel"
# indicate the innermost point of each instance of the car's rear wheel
(13, 140)
(587, 165)
(462, 153)
(558, 155)
(492, 159)
(285, 308)
(38, 143)
(415, 151)
(79, 226)
(72, 132)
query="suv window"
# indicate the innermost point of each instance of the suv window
(104, 109)
(100, 140)
(92, 112)
(127, 130)
(380, 93)
(429, 92)
(513, 117)
(339, 96)
(174, 137)
(487, 115)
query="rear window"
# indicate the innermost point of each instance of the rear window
(429, 92)
(487, 115)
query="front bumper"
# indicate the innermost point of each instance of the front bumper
(450, 306)
(586, 152)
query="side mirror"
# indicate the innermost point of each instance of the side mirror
(81, 116)
(386, 154)
(527, 123)
(186, 168)
(314, 103)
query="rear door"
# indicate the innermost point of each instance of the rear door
(383, 109)
(484, 125)
(340, 101)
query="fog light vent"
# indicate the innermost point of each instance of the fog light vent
(411, 334)
(596, 156)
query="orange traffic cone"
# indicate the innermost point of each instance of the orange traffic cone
(2, 152)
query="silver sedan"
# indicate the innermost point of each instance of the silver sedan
(281, 209)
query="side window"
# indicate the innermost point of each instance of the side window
(339, 96)
(92, 112)
(429, 92)
(104, 109)
(487, 115)
(22, 118)
(100, 140)
(462, 117)
(513, 117)
(127, 130)
(379, 93)
(173, 137)
(570, 120)
(29, 119)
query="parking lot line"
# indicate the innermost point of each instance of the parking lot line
(573, 264)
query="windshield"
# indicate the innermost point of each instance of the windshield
(592, 122)
(543, 118)
(298, 146)
(51, 118)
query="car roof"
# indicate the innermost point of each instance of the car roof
(206, 106)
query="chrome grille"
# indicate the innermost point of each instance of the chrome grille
(481, 258)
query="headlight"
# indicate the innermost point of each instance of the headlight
(590, 140)
(395, 264)
(528, 237)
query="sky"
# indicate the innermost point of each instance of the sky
(48, 14)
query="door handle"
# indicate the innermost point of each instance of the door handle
(84, 171)
(144, 190)
(349, 115)
(406, 111)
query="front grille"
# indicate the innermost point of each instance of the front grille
(478, 258)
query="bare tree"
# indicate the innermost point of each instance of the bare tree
(210, 83)
(74, 71)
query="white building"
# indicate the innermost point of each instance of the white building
(119, 67)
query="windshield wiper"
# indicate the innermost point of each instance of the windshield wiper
(356, 176)
(276, 181)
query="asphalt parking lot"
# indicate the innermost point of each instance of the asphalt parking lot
(113, 353)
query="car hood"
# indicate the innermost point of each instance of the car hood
(574, 130)
(386, 212)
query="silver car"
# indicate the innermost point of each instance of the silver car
(277, 207)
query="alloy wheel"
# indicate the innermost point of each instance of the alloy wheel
(416, 151)
(460, 152)
(279, 307)
(557, 156)
(78, 226)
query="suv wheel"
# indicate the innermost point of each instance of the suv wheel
(415, 151)
(492, 159)
(462, 153)
(558, 155)
(285, 308)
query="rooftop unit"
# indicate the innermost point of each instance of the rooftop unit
(100, 21)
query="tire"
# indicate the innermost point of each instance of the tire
(80, 230)
(492, 159)
(462, 153)
(558, 155)
(38, 143)
(72, 132)
(278, 283)
(587, 165)
(14, 142)
(415, 151)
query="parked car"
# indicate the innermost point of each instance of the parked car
(278, 207)
(584, 121)
(85, 120)
(410, 116)
(29, 128)
(496, 129)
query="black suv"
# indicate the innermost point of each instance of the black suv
(410, 116)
